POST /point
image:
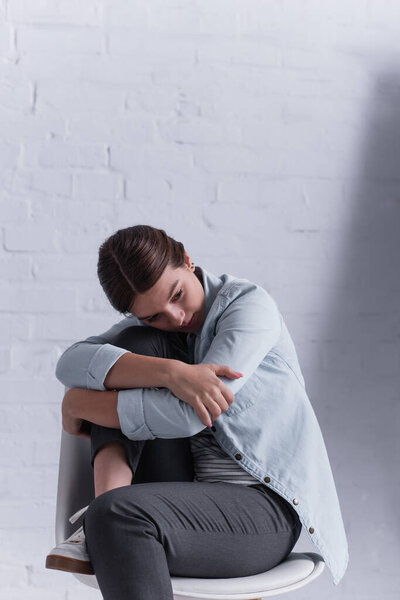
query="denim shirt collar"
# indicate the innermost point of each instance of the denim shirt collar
(211, 285)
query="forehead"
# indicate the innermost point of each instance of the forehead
(150, 302)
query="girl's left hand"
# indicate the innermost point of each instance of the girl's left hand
(72, 425)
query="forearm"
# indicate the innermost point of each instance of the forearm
(137, 371)
(92, 405)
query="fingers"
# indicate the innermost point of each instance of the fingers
(216, 404)
(227, 394)
(219, 399)
(205, 408)
(203, 414)
(225, 371)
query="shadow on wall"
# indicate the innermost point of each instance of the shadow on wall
(362, 353)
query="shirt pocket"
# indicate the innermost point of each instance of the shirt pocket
(247, 395)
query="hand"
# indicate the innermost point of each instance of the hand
(72, 425)
(199, 386)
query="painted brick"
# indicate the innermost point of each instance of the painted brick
(263, 136)
(46, 12)
(85, 40)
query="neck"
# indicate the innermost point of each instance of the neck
(199, 276)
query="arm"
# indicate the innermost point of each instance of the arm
(96, 364)
(136, 370)
(102, 408)
(246, 331)
(89, 405)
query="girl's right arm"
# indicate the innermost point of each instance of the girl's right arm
(86, 364)
(136, 370)
(96, 364)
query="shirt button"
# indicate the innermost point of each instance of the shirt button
(311, 530)
(213, 428)
(295, 501)
(238, 456)
(267, 479)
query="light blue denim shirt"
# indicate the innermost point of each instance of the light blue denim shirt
(270, 429)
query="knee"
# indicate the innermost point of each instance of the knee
(99, 509)
(141, 340)
(115, 502)
(99, 516)
(116, 510)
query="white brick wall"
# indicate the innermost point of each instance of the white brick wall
(262, 134)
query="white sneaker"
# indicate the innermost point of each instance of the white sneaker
(71, 555)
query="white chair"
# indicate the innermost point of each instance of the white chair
(76, 489)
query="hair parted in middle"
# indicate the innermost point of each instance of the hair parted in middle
(132, 260)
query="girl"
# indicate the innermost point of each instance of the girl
(163, 419)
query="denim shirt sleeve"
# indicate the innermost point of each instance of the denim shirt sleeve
(86, 363)
(247, 329)
(147, 413)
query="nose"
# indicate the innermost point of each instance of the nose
(177, 317)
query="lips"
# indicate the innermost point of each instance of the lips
(190, 322)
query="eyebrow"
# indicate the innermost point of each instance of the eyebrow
(169, 297)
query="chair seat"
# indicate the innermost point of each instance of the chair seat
(292, 573)
(298, 569)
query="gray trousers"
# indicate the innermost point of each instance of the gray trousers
(166, 524)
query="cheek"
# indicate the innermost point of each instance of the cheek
(193, 297)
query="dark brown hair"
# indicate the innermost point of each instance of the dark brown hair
(132, 260)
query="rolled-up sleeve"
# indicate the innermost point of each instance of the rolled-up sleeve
(86, 363)
(246, 331)
(147, 413)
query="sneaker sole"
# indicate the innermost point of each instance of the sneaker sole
(72, 565)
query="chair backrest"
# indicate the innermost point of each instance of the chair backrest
(75, 482)
(160, 460)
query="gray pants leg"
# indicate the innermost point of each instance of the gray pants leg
(139, 535)
(159, 459)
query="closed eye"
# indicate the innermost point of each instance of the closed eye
(177, 296)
